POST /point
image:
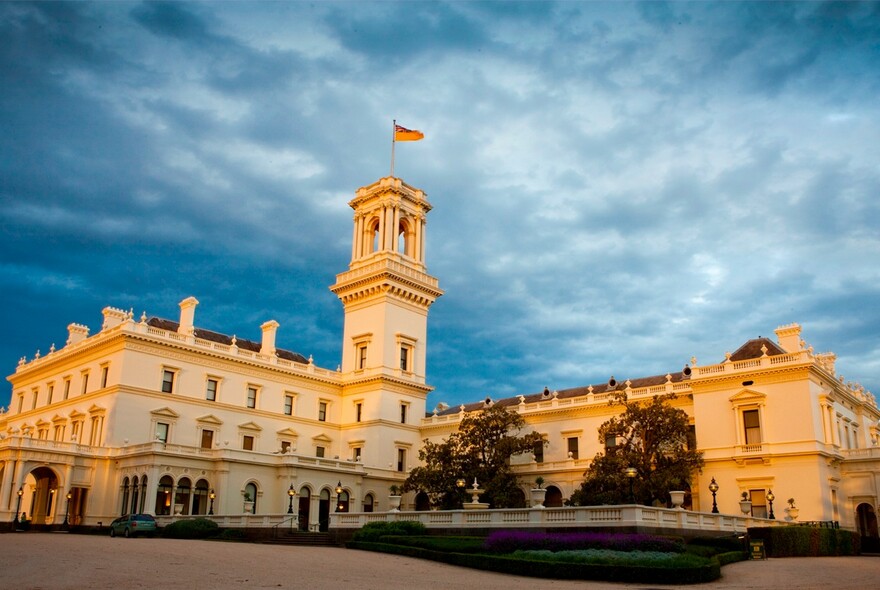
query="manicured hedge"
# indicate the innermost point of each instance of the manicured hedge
(711, 570)
(805, 541)
(199, 528)
(374, 531)
(436, 543)
(510, 541)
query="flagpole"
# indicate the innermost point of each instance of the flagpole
(393, 129)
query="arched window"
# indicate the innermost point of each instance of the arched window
(342, 503)
(163, 495)
(423, 503)
(134, 496)
(200, 498)
(374, 236)
(181, 498)
(553, 497)
(368, 503)
(143, 494)
(124, 504)
(250, 491)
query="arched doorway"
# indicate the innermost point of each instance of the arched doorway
(125, 492)
(553, 497)
(43, 504)
(200, 498)
(305, 504)
(324, 511)
(867, 520)
(182, 496)
(423, 503)
(163, 496)
(134, 497)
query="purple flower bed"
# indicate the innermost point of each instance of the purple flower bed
(510, 541)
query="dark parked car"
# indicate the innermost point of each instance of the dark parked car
(131, 525)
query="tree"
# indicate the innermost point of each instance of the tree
(652, 438)
(480, 449)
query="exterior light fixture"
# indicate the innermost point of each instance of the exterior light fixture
(631, 473)
(290, 494)
(713, 487)
(212, 495)
(770, 498)
(15, 522)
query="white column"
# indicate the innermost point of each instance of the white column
(354, 238)
(6, 485)
(395, 229)
(383, 214)
(421, 240)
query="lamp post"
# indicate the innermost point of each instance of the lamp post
(67, 509)
(15, 522)
(631, 473)
(770, 498)
(339, 491)
(212, 495)
(290, 494)
(713, 487)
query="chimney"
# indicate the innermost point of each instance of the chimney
(76, 333)
(187, 315)
(789, 337)
(113, 317)
(269, 329)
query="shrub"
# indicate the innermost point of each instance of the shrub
(374, 531)
(510, 541)
(445, 544)
(805, 541)
(231, 535)
(199, 528)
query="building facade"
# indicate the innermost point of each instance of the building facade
(161, 416)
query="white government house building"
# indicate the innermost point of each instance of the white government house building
(164, 417)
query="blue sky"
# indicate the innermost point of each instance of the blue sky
(616, 187)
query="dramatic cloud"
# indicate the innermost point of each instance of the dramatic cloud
(617, 187)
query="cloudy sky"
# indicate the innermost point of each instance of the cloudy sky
(616, 187)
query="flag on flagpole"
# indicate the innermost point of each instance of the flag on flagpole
(404, 134)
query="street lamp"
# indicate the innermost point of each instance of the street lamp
(631, 473)
(770, 498)
(339, 491)
(212, 495)
(713, 487)
(290, 494)
(67, 509)
(17, 509)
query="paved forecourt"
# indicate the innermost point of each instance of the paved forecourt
(57, 561)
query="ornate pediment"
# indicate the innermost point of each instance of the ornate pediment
(250, 426)
(209, 419)
(322, 438)
(748, 396)
(287, 432)
(165, 412)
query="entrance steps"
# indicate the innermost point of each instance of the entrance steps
(302, 538)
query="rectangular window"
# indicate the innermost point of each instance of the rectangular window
(76, 427)
(247, 443)
(211, 390)
(401, 459)
(538, 451)
(319, 451)
(50, 391)
(285, 446)
(752, 427)
(356, 454)
(403, 408)
(759, 503)
(67, 388)
(167, 381)
(252, 397)
(105, 371)
(59, 433)
(358, 411)
(207, 438)
(85, 379)
(162, 432)
(20, 402)
(322, 411)
(572, 447)
(362, 356)
(36, 397)
(404, 358)
(288, 405)
(610, 443)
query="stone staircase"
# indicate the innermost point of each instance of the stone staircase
(302, 538)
